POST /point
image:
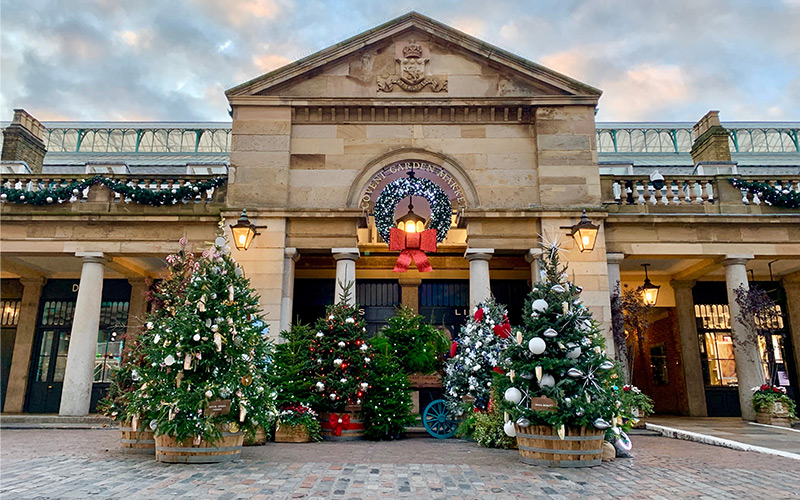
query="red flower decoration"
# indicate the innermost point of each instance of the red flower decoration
(479, 314)
(499, 370)
(453, 348)
(503, 331)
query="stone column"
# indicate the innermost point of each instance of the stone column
(137, 310)
(532, 257)
(617, 322)
(792, 289)
(409, 292)
(79, 373)
(690, 348)
(290, 256)
(345, 273)
(749, 370)
(23, 345)
(479, 286)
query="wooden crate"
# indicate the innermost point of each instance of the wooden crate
(257, 439)
(285, 433)
(136, 442)
(226, 448)
(540, 445)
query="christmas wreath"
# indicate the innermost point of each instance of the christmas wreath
(385, 205)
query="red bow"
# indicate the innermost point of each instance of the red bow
(412, 246)
(503, 331)
(479, 314)
(339, 424)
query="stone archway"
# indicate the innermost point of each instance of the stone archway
(440, 168)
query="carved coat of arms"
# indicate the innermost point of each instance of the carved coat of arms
(412, 72)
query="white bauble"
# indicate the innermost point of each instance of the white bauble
(547, 381)
(320, 387)
(337, 362)
(333, 397)
(219, 241)
(513, 395)
(196, 337)
(509, 429)
(539, 305)
(341, 344)
(169, 360)
(209, 394)
(574, 352)
(536, 345)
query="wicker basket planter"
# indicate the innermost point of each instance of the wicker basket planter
(539, 445)
(770, 418)
(226, 448)
(285, 433)
(142, 441)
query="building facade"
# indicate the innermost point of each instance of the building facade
(311, 146)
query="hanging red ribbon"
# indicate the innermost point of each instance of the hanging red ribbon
(339, 424)
(453, 348)
(412, 246)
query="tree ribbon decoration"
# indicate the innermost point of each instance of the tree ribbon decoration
(339, 424)
(503, 331)
(412, 246)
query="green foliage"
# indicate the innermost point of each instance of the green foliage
(292, 367)
(341, 357)
(632, 398)
(387, 403)
(205, 341)
(765, 397)
(489, 431)
(416, 344)
(466, 428)
(778, 196)
(576, 373)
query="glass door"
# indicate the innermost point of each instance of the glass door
(51, 363)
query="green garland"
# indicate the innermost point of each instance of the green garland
(142, 195)
(385, 205)
(771, 195)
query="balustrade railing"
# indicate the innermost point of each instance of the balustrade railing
(686, 190)
(78, 189)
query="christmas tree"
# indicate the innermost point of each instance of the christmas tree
(206, 350)
(479, 349)
(340, 357)
(387, 404)
(557, 371)
(291, 368)
(416, 344)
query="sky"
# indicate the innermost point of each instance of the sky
(172, 60)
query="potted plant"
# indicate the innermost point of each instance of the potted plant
(635, 404)
(298, 424)
(773, 406)
(134, 433)
(417, 345)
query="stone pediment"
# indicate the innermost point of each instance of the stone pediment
(414, 56)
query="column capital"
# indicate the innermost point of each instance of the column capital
(37, 281)
(478, 254)
(614, 257)
(533, 254)
(736, 260)
(345, 253)
(291, 253)
(92, 257)
(409, 281)
(682, 283)
(137, 281)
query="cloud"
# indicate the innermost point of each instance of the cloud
(268, 62)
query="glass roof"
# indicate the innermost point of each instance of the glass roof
(215, 137)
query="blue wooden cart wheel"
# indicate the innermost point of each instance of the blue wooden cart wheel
(438, 420)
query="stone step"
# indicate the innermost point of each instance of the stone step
(51, 421)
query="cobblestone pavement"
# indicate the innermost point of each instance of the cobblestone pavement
(88, 464)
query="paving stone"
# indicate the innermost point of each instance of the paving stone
(48, 464)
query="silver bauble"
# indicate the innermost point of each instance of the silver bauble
(523, 422)
(601, 424)
(574, 373)
(550, 333)
(606, 365)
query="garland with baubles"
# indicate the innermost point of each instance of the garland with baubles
(771, 195)
(397, 190)
(131, 192)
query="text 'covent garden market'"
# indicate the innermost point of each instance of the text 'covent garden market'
(514, 148)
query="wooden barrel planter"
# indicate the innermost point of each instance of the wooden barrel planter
(227, 447)
(353, 431)
(539, 445)
(285, 433)
(257, 439)
(131, 441)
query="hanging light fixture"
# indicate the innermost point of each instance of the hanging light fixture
(244, 231)
(649, 290)
(585, 233)
(411, 222)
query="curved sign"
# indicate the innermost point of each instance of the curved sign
(422, 169)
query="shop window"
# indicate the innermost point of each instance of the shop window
(658, 364)
(10, 312)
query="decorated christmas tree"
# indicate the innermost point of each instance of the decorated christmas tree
(387, 404)
(557, 371)
(478, 351)
(206, 351)
(340, 356)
